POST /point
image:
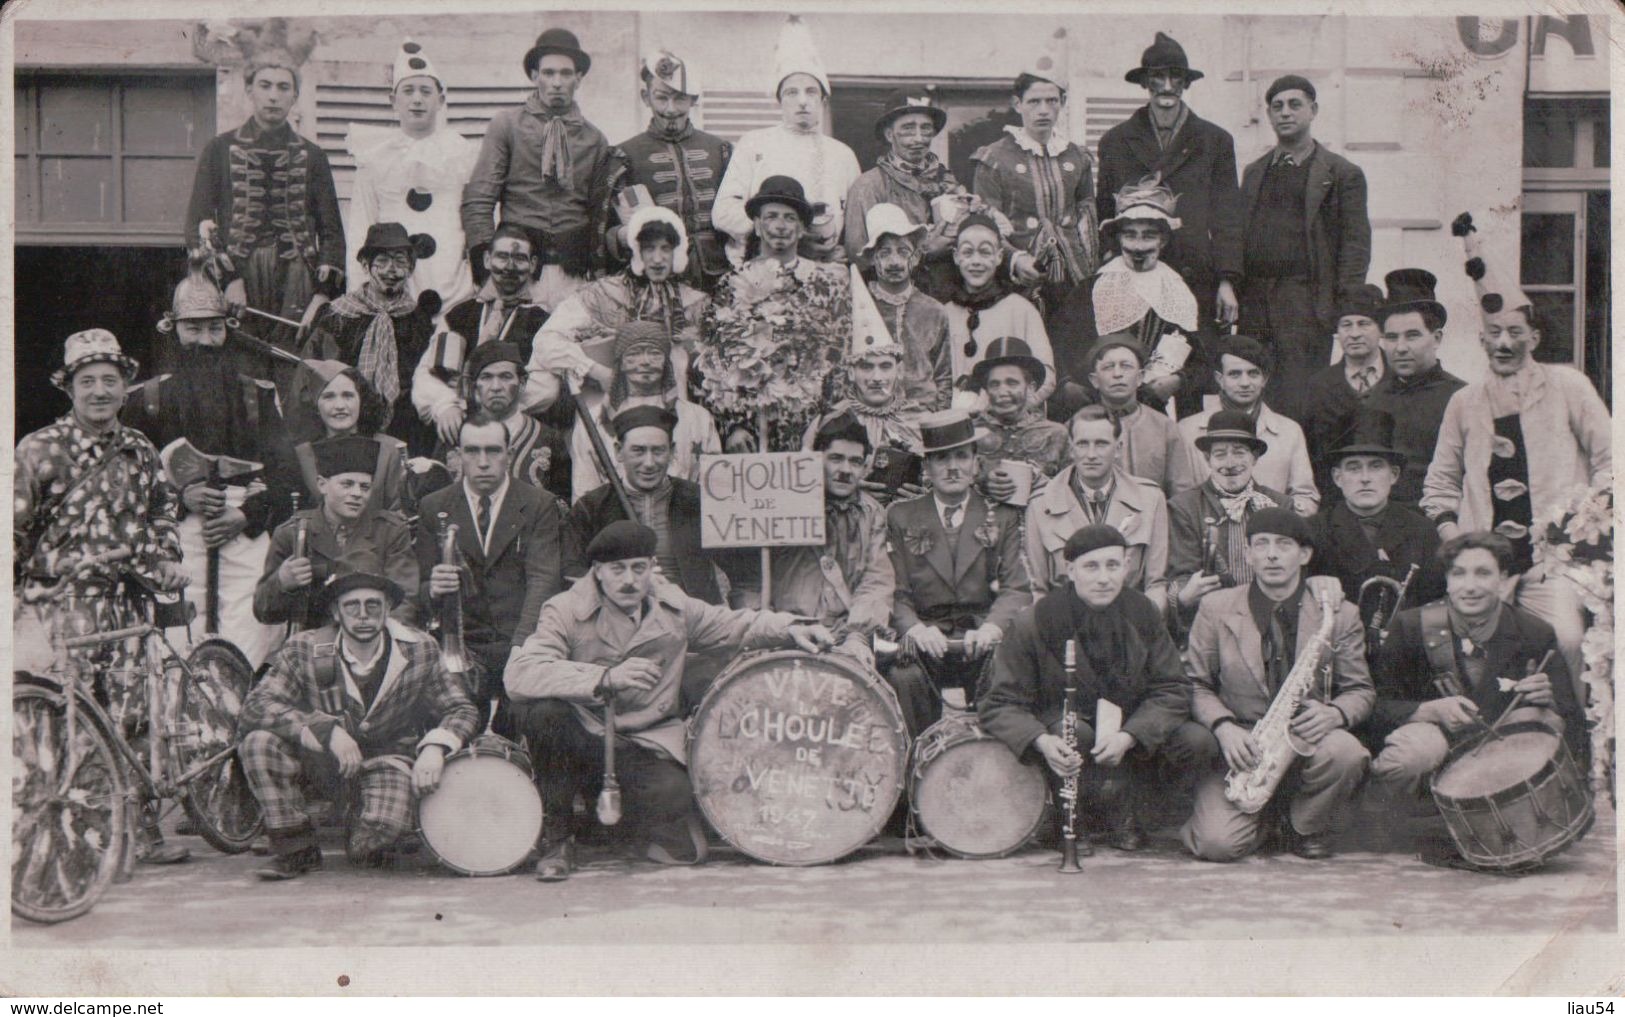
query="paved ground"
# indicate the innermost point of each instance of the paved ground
(879, 895)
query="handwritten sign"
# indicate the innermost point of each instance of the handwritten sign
(762, 499)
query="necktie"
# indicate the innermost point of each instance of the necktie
(482, 519)
(1275, 649)
(1364, 378)
(950, 517)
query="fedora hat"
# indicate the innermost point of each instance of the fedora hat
(1411, 289)
(902, 102)
(1371, 434)
(1232, 425)
(1007, 350)
(392, 236)
(1363, 300)
(92, 346)
(557, 40)
(783, 190)
(359, 570)
(948, 429)
(1163, 54)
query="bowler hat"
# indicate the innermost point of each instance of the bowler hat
(1411, 289)
(392, 236)
(1162, 54)
(621, 540)
(943, 430)
(901, 102)
(1232, 425)
(1007, 350)
(557, 40)
(359, 569)
(782, 190)
(1370, 434)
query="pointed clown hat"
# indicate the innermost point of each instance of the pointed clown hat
(1052, 63)
(870, 336)
(1496, 290)
(412, 62)
(796, 54)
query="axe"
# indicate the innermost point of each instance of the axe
(187, 465)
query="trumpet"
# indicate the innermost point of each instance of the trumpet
(450, 615)
(1069, 786)
(299, 617)
(1382, 612)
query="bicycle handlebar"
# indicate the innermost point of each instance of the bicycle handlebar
(75, 570)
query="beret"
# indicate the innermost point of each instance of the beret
(1093, 538)
(620, 540)
(1280, 521)
(644, 416)
(1288, 82)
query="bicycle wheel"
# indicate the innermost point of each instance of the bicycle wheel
(218, 799)
(66, 835)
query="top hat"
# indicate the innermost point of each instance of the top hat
(412, 62)
(1163, 54)
(901, 102)
(359, 569)
(1411, 289)
(1232, 425)
(92, 346)
(670, 70)
(1370, 434)
(347, 453)
(948, 429)
(1363, 300)
(392, 236)
(783, 190)
(1146, 199)
(557, 40)
(1007, 350)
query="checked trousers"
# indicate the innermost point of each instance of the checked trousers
(384, 797)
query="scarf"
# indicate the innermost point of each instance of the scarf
(975, 304)
(1479, 631)
(662, 302)
(379, 361)
(930, 180)
(1236, 506)
(555, 139)
(1103, 635)
(670, 131)
(843, 525)
(1122, 297)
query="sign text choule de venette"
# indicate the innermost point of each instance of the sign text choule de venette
(762, 499)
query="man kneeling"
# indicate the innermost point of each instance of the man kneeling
(1452, 668)
(367, 702)
(1133, 697)
(621, 634)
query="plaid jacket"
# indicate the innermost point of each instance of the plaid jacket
(419, 703)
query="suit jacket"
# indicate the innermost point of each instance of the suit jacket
(1329, 408)
(1338, 233)
(1405, 676)
(1284, 467)
(981, 575)
(1200, 167)
(1225, 660)
(418, 702)
(1188, 513)
(1138, 511)
(1404, 535)
(599, 507)
(503, 590)
(384, 533)
(1026, 690)
(578, 639)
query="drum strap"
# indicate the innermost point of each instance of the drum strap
(325, 657)
(836, 581)
(1437, 641)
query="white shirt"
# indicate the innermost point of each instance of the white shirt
(943, 508)
(496, 509)
(826, 168)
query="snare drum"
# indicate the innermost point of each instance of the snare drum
(1513, 802)
(484, 818)
(970, 792)
(797, 759)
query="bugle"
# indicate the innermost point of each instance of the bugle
(1373, 592)
(450, 609)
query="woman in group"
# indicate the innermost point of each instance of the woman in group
(344, 403)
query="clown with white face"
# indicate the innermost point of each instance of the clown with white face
(413, 174)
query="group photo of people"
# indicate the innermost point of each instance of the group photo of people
(1152, 518)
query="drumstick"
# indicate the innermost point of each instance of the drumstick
(1517, 700)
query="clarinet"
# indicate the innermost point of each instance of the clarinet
(450, 617)
(609, 799)
(1069, 786)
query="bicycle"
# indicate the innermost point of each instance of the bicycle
(78, 773)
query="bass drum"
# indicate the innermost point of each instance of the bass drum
(797, 759)
(484, 818)
(970, 792)
(1514, 801)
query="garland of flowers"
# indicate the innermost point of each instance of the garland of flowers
(1576, 538)
(769, 338)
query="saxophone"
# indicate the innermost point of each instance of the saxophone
(450, 614)
(1250, 790)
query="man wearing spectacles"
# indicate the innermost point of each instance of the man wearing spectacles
(363, 701)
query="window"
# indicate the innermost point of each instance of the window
(104, 158)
